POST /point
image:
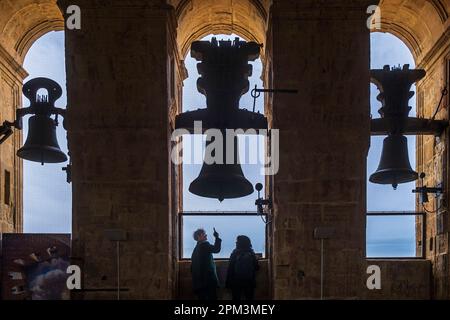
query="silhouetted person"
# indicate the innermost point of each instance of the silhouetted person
(203, 268)
(241, 275)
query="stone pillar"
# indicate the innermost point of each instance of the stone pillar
(321, 48)
(433, 159)
(11, 200)
(118, 126)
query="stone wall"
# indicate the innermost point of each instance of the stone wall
(321, 49)
(402, 279)
(11, 77)
(432, 159)
(118, 131)
(184, 291)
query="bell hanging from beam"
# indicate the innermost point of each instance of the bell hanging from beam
(41, 144)
(394, 167)
(221, 178)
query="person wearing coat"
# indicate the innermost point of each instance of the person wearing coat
(241, 274)
(203, 268)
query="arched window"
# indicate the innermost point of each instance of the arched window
(47, 197)
(232, 217)
(391, 221)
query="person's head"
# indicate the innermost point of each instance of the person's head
(200, 235)
(243, 243)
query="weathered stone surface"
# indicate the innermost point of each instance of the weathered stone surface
(401, 279)
(120, 177)
(318, 119)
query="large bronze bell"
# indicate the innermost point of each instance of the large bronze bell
(221, 180)
(41, 144)
(394, 167)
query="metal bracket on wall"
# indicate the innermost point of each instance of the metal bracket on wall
(255, 93)
(424, 190)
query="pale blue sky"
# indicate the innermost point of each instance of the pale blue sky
(47, 196)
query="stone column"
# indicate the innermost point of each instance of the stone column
(321, 48)
(11, 200)
(117, 85)
(433, 159)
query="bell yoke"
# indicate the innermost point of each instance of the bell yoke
(224, 72)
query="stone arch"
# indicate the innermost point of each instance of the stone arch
(419, 24)
(23, 22)
(198, 18)
(406, 35)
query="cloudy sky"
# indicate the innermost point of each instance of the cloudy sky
(47, 196)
